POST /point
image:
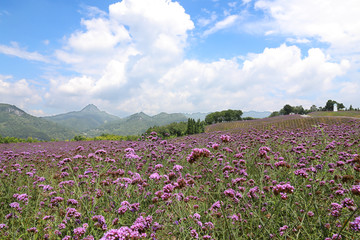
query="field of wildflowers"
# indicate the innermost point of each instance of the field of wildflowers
(283, 122)
(244, 184)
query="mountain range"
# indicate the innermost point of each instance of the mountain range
(88, 118)
(90, 121)
(135, 124)
(14, 122)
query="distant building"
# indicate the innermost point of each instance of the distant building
(335, 107)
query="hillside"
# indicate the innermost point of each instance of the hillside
(253, 114)
(196, 116)
(90, 121)
(14, 122)
(355, 114)
(166, 118)
(280, 122)
(136, 124)
(88, 118)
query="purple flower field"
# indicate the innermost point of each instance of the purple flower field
(249, 184)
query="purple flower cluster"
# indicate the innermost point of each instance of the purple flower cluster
(355, 225)
(283, 188)
(99, 221)
(198, 153)
(125, 205)
(136, 231)
(225, 138)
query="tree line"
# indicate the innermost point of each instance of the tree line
(178, 129)
(223, 116)
(329, 106)
(17, 140)
(193, 126)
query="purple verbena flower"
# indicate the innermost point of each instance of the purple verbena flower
(355, 225)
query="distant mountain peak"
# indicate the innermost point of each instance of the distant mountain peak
(11, 109)
(90, 108)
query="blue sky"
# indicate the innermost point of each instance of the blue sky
(178, 56)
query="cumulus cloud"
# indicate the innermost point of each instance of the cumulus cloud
(136, 41)
(349, 90)
(333, 22)
(18, 92)
(90, 50)
(283, 69)
(267, 80)
(133, 59)
(17, 51)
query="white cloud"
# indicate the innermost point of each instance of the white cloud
(284, 70)
(298, 40)
(155, 28)
(92, 12)
(138, 40)
(232, 4)
(137, 64)
(265, 81)
(76, 86)
(100, 35)
(37, 112)
(223, 24)
(149, 20)
(15, 50)
(246, 1)
(18, 92)
(89, 51)
(333, 22)
(349, 91)
(350, 88)
(202, 22)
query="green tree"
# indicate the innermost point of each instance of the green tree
(313, 108)
(190, 126)
(286, 110)
(329, 105)
(340, 106)
(274, 114)
(225, 115)
(298, 110)
(79, 138)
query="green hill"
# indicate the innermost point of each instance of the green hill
(165, 118)
(354, 114)
(136, 124)
(88, 118)
(14, 122)
(90, 121)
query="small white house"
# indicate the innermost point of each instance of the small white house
(335, 107)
